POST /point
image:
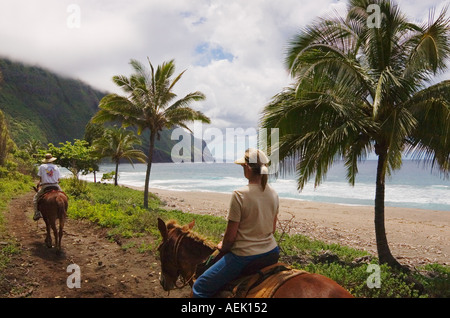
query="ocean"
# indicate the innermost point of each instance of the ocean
(412, 186)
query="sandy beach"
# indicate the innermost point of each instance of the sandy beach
(415, 236)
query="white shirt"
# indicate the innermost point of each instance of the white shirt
(49, 173)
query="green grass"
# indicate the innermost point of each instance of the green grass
(10, 187)
(121, 210)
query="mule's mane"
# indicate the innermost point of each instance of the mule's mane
(196, 237)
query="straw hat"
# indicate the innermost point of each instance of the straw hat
(48, 158)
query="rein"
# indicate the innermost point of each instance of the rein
(173, 244)
(176, 251)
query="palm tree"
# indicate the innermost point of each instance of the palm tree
(360, 89)
(150, 104)
(32, 147)
(118, 144)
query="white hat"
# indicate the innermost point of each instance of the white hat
(48, 158)
(253, 155)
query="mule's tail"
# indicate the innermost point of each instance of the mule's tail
(62, 207)
(62, 204)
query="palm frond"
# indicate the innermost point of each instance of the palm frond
(139, 69)
(118, 143)
(114, 107)
(430, 141)
(176, 116)
(175, 81)
(428, 48)
(149, 93)
(123, 82)
(317, 127)
(187, 100)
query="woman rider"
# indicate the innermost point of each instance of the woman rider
(252, 221)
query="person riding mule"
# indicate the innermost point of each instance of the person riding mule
(248, 238)
(48, 178)
(252, 218)
(50, 202)
(183, 255)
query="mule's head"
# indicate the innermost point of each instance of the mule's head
(170, 268)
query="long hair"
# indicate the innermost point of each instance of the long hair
(262, 170)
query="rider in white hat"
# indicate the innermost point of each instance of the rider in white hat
(48, 177)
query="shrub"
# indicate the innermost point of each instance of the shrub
(75, 187)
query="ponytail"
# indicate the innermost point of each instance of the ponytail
(264, 179)
(257, 161)
(264, 176)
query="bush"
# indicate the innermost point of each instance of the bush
(110, 206)
(75, 187)
(393, 284)
(435, 278)
(108, 176)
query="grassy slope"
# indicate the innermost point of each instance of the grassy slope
(41, 105)
(44, 106)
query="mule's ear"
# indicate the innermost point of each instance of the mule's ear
(162, 229)
(191, 225)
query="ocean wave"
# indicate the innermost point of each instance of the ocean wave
(413, 188)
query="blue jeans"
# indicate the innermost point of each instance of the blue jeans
(222, 272)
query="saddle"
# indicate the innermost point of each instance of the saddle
(48, 190)
(259, 279)
(263, 284)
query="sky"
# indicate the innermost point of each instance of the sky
(232, 50)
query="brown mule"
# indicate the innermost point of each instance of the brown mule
(181, 251)
(53, 205)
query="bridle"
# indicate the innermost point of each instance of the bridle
(176, 248)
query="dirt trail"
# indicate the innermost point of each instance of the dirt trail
(106, 268)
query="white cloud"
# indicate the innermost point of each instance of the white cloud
(233, 50)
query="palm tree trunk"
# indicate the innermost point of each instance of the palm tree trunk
(117, 172)
(384, 253)
(149, 168)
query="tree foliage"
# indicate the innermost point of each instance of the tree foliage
(78, 157)
(149, 104)
(6, 144)
(360, 89)
(118, 144)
